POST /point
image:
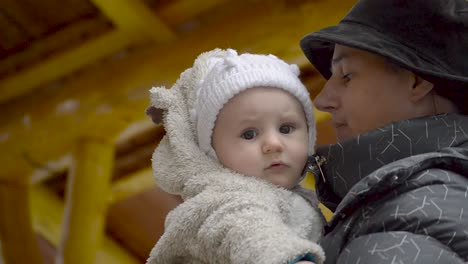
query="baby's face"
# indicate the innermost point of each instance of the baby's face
(262, 132)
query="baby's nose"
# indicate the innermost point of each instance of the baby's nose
(272, 144)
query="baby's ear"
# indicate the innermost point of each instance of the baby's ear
(155, 114)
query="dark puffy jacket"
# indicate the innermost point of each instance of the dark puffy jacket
(399, 193)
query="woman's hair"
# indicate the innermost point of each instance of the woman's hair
(456, 93)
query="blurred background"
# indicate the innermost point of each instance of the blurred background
(75, 145)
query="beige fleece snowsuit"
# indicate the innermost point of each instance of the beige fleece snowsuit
(225, 217)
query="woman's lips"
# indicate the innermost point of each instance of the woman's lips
(338, 125)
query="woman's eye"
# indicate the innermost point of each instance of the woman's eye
(286, 129)
(249, 134)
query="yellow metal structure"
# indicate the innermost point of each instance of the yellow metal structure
(88, 189)
(184, 10)
(137, 182)
(56, 66)
(55, 115)
(135, 24)
(18, 239)
(135, 19)
(47, 210)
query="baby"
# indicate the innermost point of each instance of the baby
(239, 129)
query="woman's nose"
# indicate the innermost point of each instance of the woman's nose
(272, 143)
(327, 99)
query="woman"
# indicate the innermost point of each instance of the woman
(397, 91)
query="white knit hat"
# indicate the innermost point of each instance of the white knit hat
(232, 74)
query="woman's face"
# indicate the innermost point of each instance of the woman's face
(366, 92)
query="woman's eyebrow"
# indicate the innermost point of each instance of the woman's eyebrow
(337, 59)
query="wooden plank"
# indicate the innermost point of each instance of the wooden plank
(105, 99)
(47, 210)
(133, 184)
(62, 63)
(136, 19)
(138, 133)
(135, 153)
(51, 169)
(184, 10)
(136, 24)
(19, 243)
(134, 147)
(144, 216)
(11, 37)
(87, 192)
(52, 15)
(68, 37)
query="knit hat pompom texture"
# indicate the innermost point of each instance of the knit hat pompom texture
(231, 74)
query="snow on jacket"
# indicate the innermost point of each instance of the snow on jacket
(225, 217)
(400, 193)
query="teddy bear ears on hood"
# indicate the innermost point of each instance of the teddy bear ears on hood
(188, 81)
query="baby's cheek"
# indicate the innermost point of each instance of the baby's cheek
(247, 165)
(253, 168)
(300, 151)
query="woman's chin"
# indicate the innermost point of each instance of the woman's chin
(344, 133)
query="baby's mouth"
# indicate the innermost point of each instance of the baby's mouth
(277, 165)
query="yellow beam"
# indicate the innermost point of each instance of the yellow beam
(135, 18)
(136, 23)
(52, 42)
(51, 169)
(132, 184)
(19, 244)
(47, 210)
(58, 65)
(134, 129)
(184, 10)
(104, 100)
(87, 192)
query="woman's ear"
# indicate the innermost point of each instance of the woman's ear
(420, 88)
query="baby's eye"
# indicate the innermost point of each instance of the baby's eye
(286, 129)
(249, 134)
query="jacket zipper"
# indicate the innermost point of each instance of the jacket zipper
(316, 166)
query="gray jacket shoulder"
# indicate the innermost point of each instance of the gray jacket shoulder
(417, 212)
